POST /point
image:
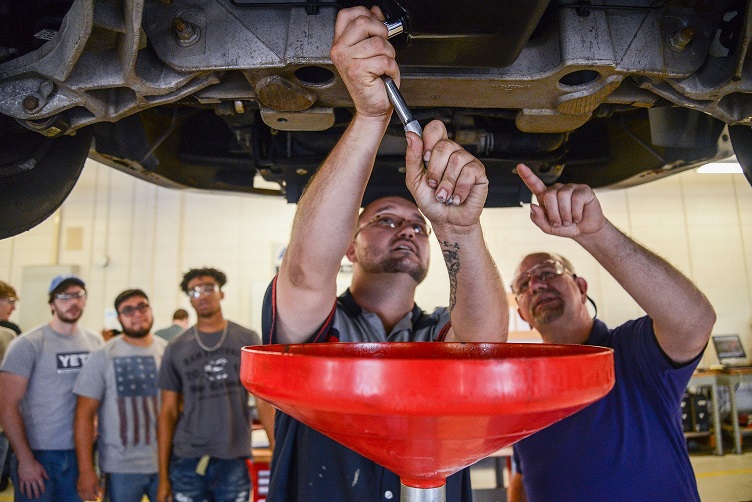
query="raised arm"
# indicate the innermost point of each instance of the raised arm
(477, 300)
(682, 316)
(326, 217)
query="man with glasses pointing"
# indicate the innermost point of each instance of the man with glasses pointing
(117, 385)
(36, 382)
(205, 422)
(629, 445)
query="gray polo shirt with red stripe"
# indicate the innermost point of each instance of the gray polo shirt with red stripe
(308, 465)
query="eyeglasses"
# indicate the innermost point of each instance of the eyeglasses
(71, 296)
(202, 290)
(141, 308)
(387, 220)
(545, 271)
(10, 300)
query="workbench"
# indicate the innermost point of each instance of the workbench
(709, 378)
(731, 378)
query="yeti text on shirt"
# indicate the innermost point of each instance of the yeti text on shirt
(69, 362)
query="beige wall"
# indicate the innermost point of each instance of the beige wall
(151, 235)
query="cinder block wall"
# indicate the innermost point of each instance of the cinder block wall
(122, 232)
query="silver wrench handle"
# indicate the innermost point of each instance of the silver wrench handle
(395, 27)
(400, 107)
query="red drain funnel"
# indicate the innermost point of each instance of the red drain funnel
(427, 410)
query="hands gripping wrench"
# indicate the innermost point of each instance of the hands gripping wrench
(396, 27)
(398, 102)
(409, 122)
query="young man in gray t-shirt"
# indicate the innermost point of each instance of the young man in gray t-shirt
(118, 385)
(36, 382)
(205, 422)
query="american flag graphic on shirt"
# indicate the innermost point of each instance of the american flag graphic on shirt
(136, 378)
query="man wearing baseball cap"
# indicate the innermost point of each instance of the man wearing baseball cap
(39, 370)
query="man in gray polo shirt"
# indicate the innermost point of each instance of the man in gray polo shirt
(36, 382)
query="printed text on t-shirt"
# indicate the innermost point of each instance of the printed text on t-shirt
(68, 362)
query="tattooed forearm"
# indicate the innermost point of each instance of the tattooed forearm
(452, 260)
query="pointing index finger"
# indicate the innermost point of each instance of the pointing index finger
(533, 182)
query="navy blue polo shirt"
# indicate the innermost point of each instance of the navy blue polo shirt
(629, 445)
(308, 466)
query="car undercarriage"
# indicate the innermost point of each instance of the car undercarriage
(241, 96)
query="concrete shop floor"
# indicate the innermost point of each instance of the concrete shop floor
(727, 478)
(719, 479)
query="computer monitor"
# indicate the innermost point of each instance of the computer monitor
(729, 349)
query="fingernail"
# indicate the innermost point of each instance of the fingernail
(456, 200)
(409, 141)
(441, 196)
(427, 156)
(433, 183)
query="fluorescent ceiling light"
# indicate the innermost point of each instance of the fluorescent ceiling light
(728, 166)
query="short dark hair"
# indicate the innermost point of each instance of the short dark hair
(180, 314)
(215, 274)
(129, 293)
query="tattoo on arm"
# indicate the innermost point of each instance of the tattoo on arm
(452, 260)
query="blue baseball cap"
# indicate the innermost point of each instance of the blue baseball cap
(65, 279)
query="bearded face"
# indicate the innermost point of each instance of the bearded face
(69, 314)
(401, 256)
(135, 317)
(546, 306)
(138, 332)
(392, 238)
(68, 305)
(551, 297)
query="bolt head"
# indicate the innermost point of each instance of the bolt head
(30, 103)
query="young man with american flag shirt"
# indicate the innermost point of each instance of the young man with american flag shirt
(118, 385)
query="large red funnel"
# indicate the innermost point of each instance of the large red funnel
(427, 410)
